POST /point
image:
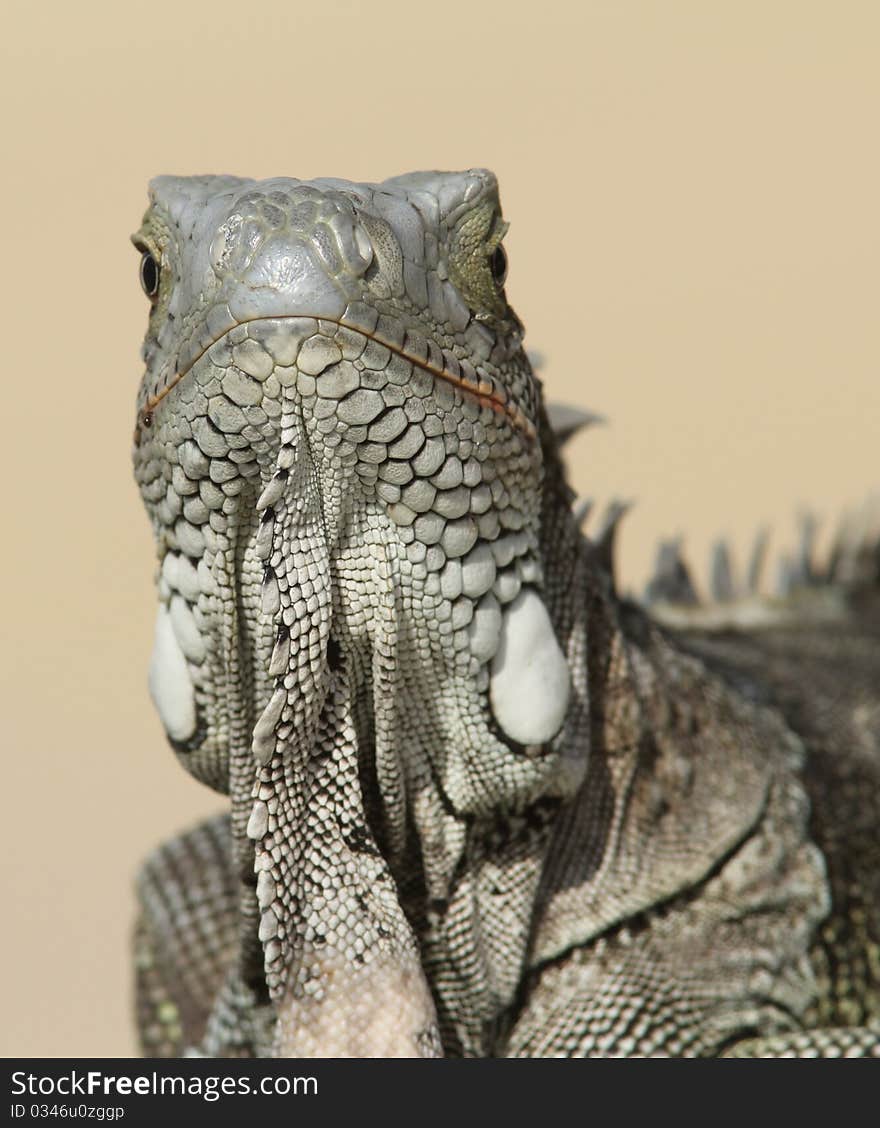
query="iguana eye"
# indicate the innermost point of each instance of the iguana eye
(498, 265)
(149, 275)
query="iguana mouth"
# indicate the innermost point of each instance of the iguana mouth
(486, 392)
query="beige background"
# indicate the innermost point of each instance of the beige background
(693, 189)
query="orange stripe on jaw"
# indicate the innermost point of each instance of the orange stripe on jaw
(482, 392)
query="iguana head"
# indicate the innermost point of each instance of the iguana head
(338, 443)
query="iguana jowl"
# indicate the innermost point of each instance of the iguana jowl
(479, 805)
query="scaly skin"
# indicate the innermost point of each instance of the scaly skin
(478, 806)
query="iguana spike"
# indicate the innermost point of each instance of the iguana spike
(671, 582)
(804, 568)
(785, 577)
(566, 420)
(721, 582)
(855, 554)
(756, 561)
(840, 549)
(875, 560)
(606, 535)
(581, 510)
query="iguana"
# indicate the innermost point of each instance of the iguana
(481, 805)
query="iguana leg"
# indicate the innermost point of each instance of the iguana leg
(185, 938)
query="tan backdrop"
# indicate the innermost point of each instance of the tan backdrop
(693, 189)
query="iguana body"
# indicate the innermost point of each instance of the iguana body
(479, 805)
